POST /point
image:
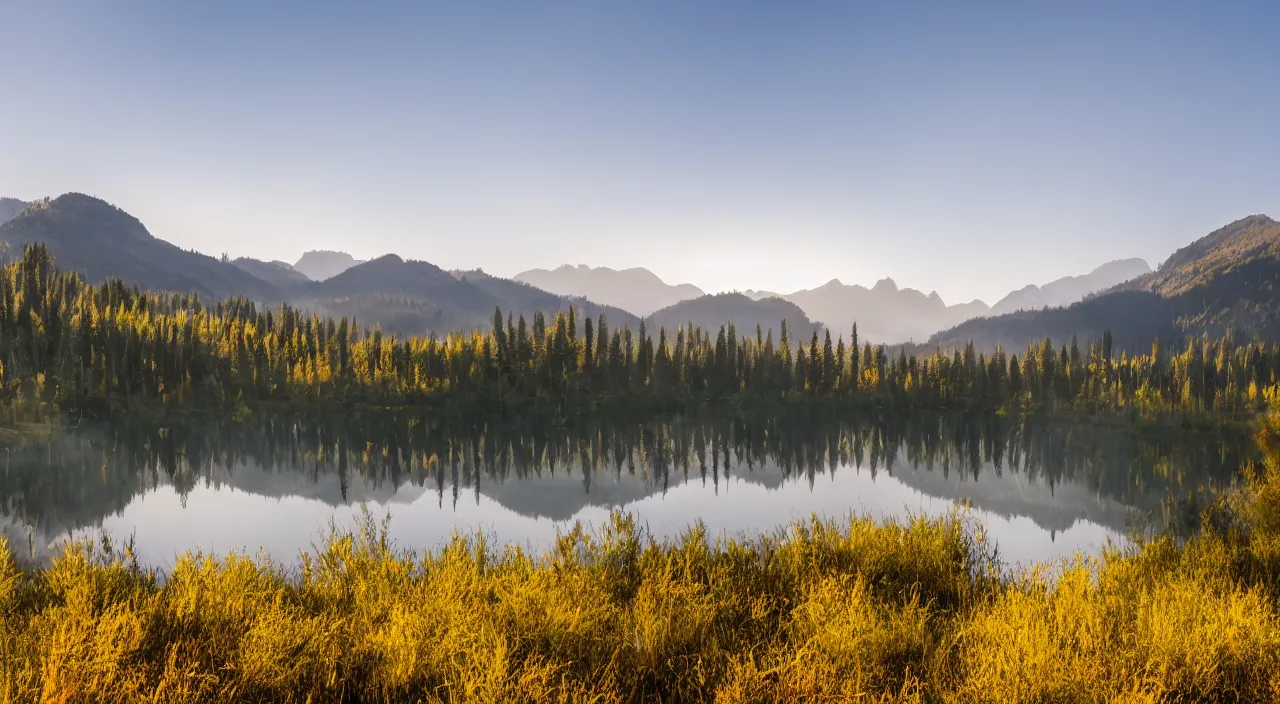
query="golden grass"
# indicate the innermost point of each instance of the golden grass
(850, 612)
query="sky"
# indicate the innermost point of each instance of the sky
(967, 148)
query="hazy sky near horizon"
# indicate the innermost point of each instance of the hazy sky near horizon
(969, 150)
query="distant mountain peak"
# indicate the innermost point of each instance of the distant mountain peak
(321, 264)
(885, 284)
(636, 290)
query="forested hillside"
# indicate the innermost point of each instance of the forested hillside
(102, 242)
(1225, 283)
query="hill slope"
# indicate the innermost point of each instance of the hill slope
(280, 274)
(636, 290)
(1223, 252)
(416, 297)
(710, 312)
(101, 241)
(518, 298)
(1226, 281)
(10, 207)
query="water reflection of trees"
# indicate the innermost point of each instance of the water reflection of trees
(77, 477)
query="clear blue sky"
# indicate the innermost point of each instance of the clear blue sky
(971, 150)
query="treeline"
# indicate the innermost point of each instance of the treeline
(68, 344)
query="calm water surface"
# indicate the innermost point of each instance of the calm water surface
(1042, 492)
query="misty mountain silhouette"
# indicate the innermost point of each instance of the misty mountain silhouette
(884, 312)
(1070, 289)
(280, 274)
(712, 311)
(10, 207)
(1225, 281)
(637, 290)
(888, 314)
(322, 264)
(101, 241)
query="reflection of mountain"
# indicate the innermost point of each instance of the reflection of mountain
(1054, 475)
(562, 495)
(325, 487)
(28, 543)
(1054, 507)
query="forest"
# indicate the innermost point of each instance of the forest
(66, 345)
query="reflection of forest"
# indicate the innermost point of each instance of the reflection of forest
(1053, 474)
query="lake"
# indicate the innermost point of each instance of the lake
(1042, 491)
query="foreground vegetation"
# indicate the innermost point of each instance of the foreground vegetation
(68, 345)
(856, 611)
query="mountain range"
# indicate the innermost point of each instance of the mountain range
(1224, 282)
(884, 312)
(637, 290)
(1227, 281)
(102, 241)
